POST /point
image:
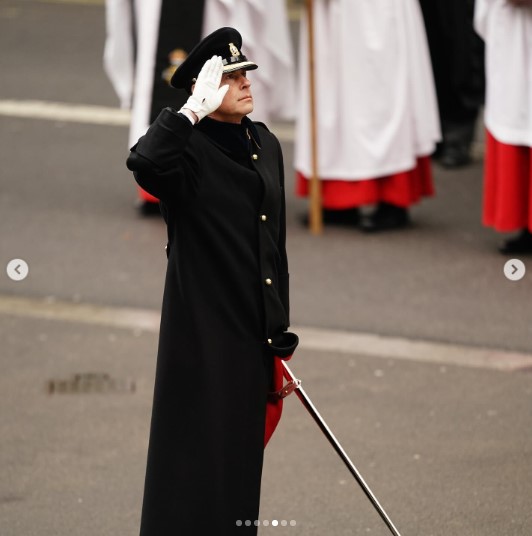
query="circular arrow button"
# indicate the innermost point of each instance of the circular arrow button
(17, 269)
(514, 269)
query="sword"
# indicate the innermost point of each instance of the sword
(294, 385)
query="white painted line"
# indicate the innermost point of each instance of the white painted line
(76, 2)
(50, 309)
(412, 350)
(314, 339)
(95, 115)
(58, 111)
(284, 132)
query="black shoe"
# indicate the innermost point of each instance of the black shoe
(385, 217)
(147, 208)
(349, 217)
(454, 155)
(520, 244)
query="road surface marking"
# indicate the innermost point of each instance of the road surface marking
(314, 339)
(77, 2)
(94, 115)
(59, 111)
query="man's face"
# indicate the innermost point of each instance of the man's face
(238, 101)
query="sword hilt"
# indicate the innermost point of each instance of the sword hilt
(287, 389)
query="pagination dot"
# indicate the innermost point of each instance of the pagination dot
(266, 522)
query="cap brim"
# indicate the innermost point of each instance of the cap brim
(248, 65)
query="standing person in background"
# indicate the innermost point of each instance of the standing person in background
(376, 111)
(506, 27)
(146, 41)
(220, 180)
(457, 57)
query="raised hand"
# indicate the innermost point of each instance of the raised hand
(207, 94)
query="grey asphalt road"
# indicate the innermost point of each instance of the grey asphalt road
(445, 447)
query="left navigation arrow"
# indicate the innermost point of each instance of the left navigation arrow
(17, 269)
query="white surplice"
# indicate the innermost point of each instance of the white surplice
(132, 80)
(507, 32)
(118, 55)
(375, 95)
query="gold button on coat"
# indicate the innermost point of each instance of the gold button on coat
(255, 157)
(268, 281)
(264, 217)
(270, 341)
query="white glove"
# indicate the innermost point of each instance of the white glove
(207, 95)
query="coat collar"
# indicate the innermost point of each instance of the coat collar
(233, 139)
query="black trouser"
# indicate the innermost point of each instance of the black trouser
(457, 54)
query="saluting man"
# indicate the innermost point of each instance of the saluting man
(225, 311)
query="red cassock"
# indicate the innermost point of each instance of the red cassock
(507, 186)
(402, 189)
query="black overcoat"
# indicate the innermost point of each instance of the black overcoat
(225, 313)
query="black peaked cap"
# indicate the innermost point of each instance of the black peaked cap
(225, 42)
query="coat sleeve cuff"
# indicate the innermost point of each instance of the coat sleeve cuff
(283, 345)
